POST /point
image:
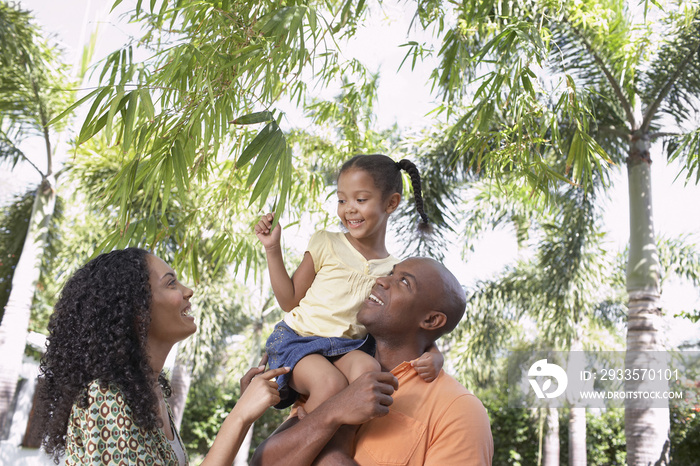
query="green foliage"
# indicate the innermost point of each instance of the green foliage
(552, 91)
(443, 181)
(567, 283)
(514, 430)
(605, 437)
(14, 222)
(208, 404)
(34, 85)
(223, 309)
(685, 420)
(679, 258)
(179, 119)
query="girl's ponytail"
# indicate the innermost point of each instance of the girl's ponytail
(412, 170)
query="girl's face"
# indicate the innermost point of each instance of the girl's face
(361, 207)
(170, 305)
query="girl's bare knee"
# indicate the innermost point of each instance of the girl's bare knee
(368, 364)
(357, 364)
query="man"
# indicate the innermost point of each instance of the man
(395, 417)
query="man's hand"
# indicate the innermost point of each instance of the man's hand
(300, 442)
(369, 396)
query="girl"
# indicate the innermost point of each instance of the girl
(320, 338)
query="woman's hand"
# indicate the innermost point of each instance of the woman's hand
(270, 238)
(252, 372)
(258, 392)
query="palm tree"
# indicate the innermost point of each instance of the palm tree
(561, 289)
(615, 80)
(31, 74)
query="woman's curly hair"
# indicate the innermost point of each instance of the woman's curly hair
(98, 332)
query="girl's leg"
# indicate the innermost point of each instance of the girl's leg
(355, 363)
(317, 377)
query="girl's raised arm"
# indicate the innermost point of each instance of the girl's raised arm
(288, 290)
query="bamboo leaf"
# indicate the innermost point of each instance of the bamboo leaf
(179, 165)
(126, 188)
(87, 130)
(265, 153)
(253, 118)
(285, 184)
(147, 103)
(194, 261)
(117, 103)
(167, 181)
(264, 183)
(115, 4)
(79, 103)
(132, 104)
(257, 144)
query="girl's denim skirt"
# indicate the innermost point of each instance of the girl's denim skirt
(285, 348)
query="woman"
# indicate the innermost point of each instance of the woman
(117, 319)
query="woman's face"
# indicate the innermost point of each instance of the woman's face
(170, 305)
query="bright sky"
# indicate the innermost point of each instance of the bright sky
(403, 98)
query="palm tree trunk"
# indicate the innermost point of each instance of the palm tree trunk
(577, 437)
(13, 330)
(646, 429)
(241, 458)
(551, 439)
(577, 416)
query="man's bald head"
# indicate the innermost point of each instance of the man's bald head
(452, 299)
(420, 296)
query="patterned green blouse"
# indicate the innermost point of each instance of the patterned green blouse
(105, 433)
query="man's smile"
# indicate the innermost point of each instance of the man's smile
(373, 298)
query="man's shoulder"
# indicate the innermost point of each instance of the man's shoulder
(453, 397)
(445, 382)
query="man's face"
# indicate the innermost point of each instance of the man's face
(400, 300)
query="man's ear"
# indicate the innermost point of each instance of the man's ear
(394, 201)
(434, 320)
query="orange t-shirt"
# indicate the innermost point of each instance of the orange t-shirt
(438, 423)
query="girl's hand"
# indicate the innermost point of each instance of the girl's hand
(259, 393)
(269, 239)
(428, 365)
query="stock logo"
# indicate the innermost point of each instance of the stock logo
(542, 368)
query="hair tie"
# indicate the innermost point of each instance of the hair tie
(398, 165)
